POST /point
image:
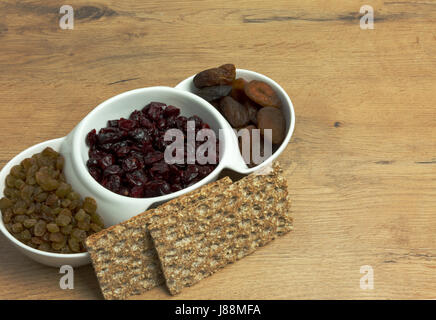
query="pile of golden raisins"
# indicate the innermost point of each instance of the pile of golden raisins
(40, 209)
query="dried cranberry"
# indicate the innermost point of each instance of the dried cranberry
(92, 163)
(91, 138)
(193, 181)
(112, 123)
(112, 183)
(95, 173)
(175, 174)
(152, 157)
(161, 124)
(190, 173)
(171, 122)
(171, 111)
(122, 151)
(181, 166)
(146, 123)
(165, 188)
(153, 104)
(176, 187)
(137, 192)
(126, 124)
(139, 135)
(156, 188)
(138, 156)
(96, 154)
(160, 143)
(154, 112)
(117, 145)
(137, 147)
(136, 115)
(113, 169)
(152, 133)
(130, 164)
(136, 178)
(109, 135)
(106, 161)
(153, 109)
(147, 148)
(160, 169)
(181, 123)
(204, 170)
(107, 147)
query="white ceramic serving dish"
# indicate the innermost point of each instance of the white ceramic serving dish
(115, 208)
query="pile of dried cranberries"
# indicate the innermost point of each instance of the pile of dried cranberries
(127, 157)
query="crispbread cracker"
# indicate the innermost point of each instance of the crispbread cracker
(195, 242)
(124, 259)
(123, 255)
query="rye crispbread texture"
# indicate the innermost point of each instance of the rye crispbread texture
(124, 257)
(195, 242)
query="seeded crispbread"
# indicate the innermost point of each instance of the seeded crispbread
(124, 257)
(195, 242)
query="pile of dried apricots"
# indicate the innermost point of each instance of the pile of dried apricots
(245, 104)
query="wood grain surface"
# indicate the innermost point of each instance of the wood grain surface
(361, 165)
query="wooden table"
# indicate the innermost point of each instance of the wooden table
(361, 165)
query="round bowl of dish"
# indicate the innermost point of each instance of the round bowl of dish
(48, 258)
(239, 164)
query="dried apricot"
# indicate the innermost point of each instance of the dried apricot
(272, 118)
(216, 104)
(239, 83)
(215, 92)
(223, 75)
(238, 93)
(262, 93)
(256, 144)
(252, 111)
(235, 113)
(246, 137)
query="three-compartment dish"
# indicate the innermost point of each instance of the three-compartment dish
(114, 207)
